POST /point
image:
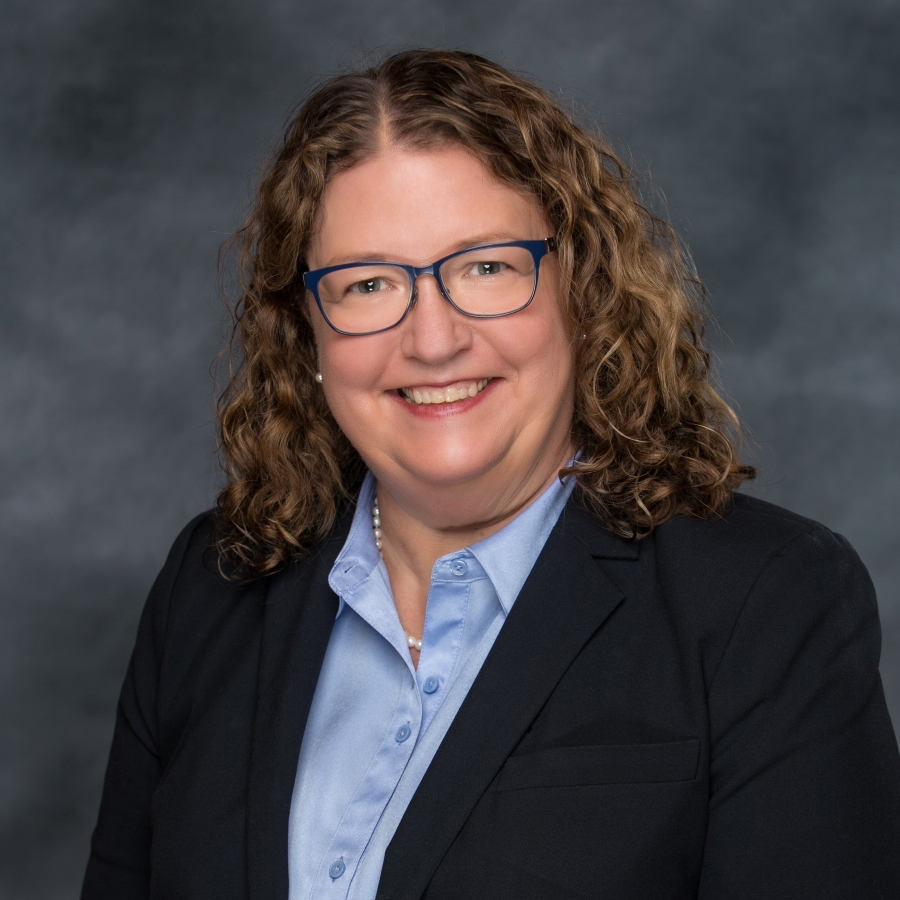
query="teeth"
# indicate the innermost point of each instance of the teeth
(448, 395)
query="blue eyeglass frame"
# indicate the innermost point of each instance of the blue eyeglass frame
(538, 250)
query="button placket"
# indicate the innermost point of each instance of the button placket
(393, 757)
(448, 601)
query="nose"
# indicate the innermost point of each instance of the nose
(434, 330)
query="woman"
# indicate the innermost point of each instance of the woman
(478, 614)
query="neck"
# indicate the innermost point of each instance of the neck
(412, 541)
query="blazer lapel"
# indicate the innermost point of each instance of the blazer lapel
(299, 615)
(566, 598)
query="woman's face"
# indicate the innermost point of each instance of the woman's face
(501, 446)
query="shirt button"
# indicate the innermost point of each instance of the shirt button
(459, 567)
(402, 734)
(431, 684)
(336, 869)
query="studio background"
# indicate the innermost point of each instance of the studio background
(131, 134)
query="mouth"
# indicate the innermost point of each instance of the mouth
(464, 390)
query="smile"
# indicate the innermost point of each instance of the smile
(462, 391)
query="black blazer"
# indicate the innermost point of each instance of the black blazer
(697, 715)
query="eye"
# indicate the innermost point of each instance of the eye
(488, 268)
(369, 286)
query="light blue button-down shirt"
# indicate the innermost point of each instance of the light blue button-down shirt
(376, 721)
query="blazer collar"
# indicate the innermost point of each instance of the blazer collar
(566, 598)
(299, 614)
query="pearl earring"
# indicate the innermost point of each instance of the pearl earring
(319, 377)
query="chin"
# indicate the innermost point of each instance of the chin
(448, 468)
(446, 475)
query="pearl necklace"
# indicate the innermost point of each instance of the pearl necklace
(411, 642)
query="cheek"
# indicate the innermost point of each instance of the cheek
(346, 369)
(345, 362)
(351, 369)
(540, 350)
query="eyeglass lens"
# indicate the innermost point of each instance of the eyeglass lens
(488, 282)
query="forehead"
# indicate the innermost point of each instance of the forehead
(417, 205)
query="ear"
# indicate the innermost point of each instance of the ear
(307, 305)
(313, 318)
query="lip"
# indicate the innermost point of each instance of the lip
(444, 410)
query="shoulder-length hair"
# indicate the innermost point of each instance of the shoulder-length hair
(655, 437)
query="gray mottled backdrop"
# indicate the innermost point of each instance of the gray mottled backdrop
(131, 133)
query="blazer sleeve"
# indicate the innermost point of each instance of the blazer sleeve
(804, 770)
(119, 864)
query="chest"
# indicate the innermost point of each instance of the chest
(605, 771)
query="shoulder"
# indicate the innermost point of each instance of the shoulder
(195, 567)
(191, 603)
(202, 627)
(759, 555)
(749, 522)
(197, 588)
(192, 568)
(746, 538)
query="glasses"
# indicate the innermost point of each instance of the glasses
(483, 282)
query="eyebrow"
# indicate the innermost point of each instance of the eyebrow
(494, 237)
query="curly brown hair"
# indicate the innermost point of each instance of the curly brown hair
(656, 439)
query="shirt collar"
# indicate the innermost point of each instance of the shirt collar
(359, 557)
(507, 556)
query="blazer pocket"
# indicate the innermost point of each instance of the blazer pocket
(601, 764)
